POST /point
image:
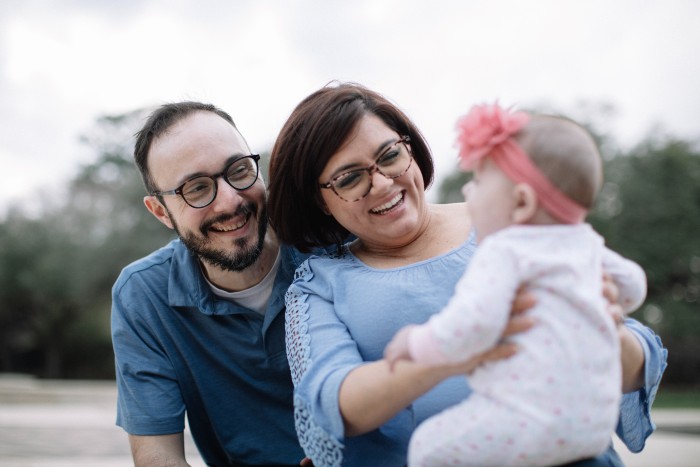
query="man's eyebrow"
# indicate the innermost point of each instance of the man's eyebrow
(229, 160)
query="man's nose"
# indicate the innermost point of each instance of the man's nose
(227, 197)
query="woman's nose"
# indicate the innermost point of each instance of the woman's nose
(379, 180)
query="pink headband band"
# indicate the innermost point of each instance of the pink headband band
(486, 131)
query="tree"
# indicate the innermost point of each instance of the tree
(58, 267)
(649, 210)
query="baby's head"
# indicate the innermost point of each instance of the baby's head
(528, 169)
(566, 154)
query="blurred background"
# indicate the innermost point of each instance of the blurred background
(78, 77)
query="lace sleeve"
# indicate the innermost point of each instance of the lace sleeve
(316, 413)
(296, 327)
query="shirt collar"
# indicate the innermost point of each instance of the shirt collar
(187, 286)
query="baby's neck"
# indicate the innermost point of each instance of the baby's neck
(542, 217)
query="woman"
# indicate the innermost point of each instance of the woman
(349, 162)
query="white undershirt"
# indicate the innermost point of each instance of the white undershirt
(256, 297)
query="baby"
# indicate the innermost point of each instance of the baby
(557, 399)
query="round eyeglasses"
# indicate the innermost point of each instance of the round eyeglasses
(356, 184)
(200, 191)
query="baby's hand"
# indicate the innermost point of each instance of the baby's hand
(397, 349)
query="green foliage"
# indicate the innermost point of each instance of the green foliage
(677, 397)
(450, 191)
(649, 210)
(58, 267)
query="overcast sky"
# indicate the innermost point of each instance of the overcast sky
(64, 63)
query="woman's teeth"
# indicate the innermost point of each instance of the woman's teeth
(387, 206)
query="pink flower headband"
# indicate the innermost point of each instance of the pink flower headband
(487, 130)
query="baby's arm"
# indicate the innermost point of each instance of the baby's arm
(629, 278)
(474, 319)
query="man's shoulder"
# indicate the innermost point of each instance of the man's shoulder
(153, 263)
(297, 257)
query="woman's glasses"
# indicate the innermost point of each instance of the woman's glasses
(356, 184)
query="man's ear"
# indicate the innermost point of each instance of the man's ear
(526, 203)
(156, 208)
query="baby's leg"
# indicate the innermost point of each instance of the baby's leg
(479, 432)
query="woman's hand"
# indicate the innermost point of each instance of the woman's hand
(612, 294)
(631, 351)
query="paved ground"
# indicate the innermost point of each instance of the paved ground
(63, 424)
(71, 424)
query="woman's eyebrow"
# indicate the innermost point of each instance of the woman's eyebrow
(347, 167)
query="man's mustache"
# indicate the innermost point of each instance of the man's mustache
(242, 210)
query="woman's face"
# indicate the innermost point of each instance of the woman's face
(394, 210)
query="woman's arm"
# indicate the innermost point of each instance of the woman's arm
(632, 360)
(624, 286)
(635, 424)
(643, 364)
(373, 393)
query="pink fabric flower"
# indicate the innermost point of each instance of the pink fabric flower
(483, 128)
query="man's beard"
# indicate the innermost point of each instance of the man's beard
(242, 256)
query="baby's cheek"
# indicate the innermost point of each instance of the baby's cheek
(465, 190)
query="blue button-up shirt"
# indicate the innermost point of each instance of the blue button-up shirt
(180, 349)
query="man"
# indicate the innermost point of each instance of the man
(198, 326)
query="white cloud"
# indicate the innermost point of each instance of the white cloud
(64, 63)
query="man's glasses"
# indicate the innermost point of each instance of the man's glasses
(200, 192)
(356, 184)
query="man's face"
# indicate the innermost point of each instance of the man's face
(228, 233)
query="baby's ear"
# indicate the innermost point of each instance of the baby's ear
(525, 203)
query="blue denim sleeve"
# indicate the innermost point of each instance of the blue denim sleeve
(635, 425)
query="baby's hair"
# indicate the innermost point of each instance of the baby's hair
(567, 155)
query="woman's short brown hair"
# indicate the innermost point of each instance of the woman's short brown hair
(314, 132)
